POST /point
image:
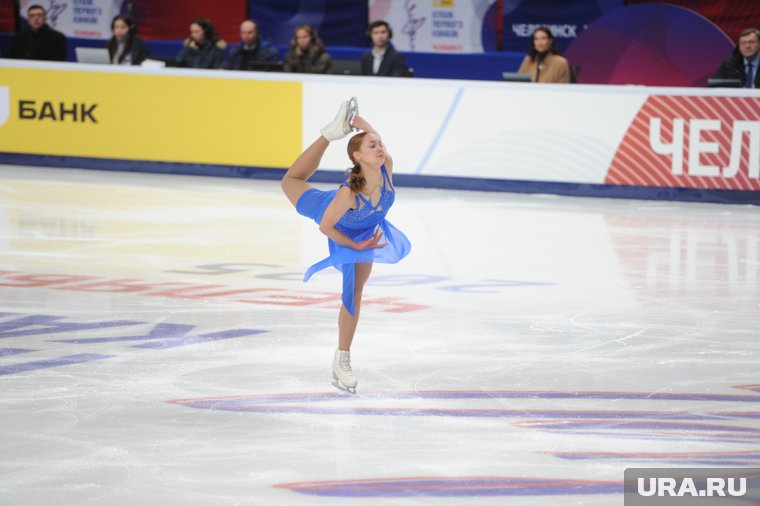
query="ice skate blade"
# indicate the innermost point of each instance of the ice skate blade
(342, 388)
(353, 111)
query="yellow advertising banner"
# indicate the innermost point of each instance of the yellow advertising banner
(152, 117)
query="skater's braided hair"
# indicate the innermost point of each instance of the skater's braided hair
(355, 179)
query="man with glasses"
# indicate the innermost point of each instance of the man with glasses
(39, 42)
(742, 64)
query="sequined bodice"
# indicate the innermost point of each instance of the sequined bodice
(365, 215)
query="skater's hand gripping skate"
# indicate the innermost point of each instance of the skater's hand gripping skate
(372, 242)
(362, 124)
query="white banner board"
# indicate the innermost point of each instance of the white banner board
(434, 26)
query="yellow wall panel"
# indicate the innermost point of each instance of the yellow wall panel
(169, 118)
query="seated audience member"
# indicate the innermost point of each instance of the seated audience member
(204, 49)
(251, 49)
(125, 47)
(743, 63)
(307, 53)
(383, 59)
(39, 42)
(544, 62)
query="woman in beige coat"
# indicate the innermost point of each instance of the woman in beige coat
(544, 62)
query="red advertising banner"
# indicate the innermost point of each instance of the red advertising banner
(691, 142)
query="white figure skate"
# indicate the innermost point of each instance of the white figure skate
(343, 376)
(340, 126)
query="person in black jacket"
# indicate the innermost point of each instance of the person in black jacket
(251, 50)
(743, 63)
(125, 47)
(40, 42)
(204, 49)
(383, 59)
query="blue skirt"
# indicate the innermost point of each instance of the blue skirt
(313, 204)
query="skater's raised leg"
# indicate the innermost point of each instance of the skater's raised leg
(294, 183)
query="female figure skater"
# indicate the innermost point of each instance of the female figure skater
(353, 219)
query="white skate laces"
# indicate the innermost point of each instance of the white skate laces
(343, 375)
(340, 126)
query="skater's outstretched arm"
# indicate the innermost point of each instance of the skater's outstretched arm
(340, 205)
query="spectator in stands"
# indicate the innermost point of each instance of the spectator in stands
(39, 42)
(544, 62)
(383, 59)
(251, 49)
(125, 47)
(204, 49)
(742, 64)
(307, 53)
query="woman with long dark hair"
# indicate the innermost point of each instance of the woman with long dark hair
(307, 53)
(353, 219)
(204, 49)
(125, 47)
(544, 61)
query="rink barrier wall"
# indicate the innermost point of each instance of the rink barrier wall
(603, 141)
(180, 118)
(400, 180)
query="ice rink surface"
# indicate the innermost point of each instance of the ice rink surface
(158, 347)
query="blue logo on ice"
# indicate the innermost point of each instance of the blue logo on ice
(5, 104)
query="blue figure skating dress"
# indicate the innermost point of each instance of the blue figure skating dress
(359, 224)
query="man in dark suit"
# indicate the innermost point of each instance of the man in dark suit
(383, 59)
(252, 49)
(39, 42)
(743, 63)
